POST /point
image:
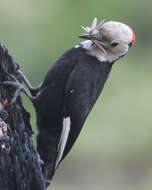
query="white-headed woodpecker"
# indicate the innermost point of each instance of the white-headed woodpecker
(71, 88)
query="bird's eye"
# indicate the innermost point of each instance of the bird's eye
(130, 45)
(114, 44)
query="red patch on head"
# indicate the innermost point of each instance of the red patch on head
(133, 37)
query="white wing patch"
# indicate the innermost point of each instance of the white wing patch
(63, 139)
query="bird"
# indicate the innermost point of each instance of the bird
(71, 87)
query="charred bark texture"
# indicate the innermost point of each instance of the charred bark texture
(20, 166)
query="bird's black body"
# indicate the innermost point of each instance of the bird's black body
(70, 89)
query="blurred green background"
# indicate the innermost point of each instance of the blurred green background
(114, 150)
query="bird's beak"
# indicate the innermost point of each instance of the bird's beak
(97, 39)
(89, 36)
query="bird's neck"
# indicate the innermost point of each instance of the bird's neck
(96, 52)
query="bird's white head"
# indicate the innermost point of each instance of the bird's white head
(108, 41)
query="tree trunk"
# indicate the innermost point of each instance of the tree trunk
(20, 165)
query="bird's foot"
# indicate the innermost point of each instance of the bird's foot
(27, 83)
(19, 88)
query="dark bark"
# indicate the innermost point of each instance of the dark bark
(20, 166)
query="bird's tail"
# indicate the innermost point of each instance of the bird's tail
(47, 152)
(48, 173)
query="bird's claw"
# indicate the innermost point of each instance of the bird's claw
(13, 84)
(19, 87)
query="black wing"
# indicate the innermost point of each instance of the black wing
(83, 87)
